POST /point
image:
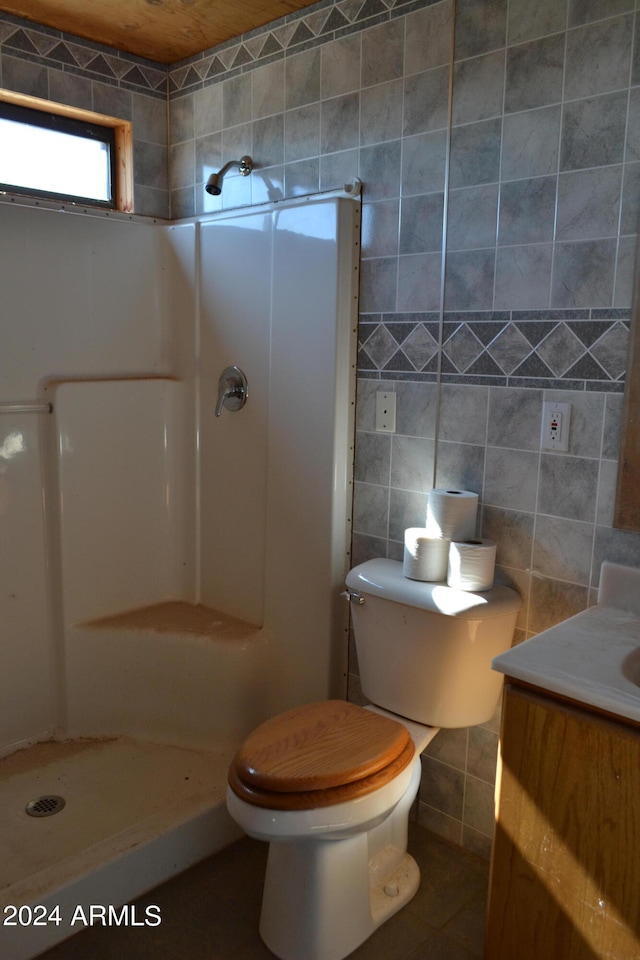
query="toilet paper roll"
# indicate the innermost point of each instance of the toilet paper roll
(471, 565)
(425, 557)
(451, 514)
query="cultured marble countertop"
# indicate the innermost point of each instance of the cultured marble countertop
(594, 657)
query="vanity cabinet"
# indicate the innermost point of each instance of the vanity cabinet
(565, 870)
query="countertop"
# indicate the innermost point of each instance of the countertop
(593, 657)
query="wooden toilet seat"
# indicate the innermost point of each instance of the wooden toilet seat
(319, 755)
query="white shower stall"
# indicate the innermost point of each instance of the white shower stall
(168, 578)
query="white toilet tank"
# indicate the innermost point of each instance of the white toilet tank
(425, 649)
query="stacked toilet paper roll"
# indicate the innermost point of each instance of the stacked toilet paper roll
(425, 557)
(451, 514)
(471, 565)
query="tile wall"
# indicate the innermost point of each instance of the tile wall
(52, 65)
(540, 195)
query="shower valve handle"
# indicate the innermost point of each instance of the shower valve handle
(232, 390)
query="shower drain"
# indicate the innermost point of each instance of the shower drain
(45, 806)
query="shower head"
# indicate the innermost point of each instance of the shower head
(214, 183)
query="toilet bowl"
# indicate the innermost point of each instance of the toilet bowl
(338, 865)
(330, 785)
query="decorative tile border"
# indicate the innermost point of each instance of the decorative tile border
(563, 349)
(60, 51)
(318, 24)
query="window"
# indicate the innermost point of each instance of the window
(61, 153)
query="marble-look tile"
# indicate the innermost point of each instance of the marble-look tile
(611, 350)
(380, 167)
(181, 125)
(607, 483)
(149, 119)
(531, 143)
(268, 140)
(593, 132)
(421, 223)
(267, 90)
(523, 277)
(512, 531)
(150, 165)
(181, 165)
(381, 112)
(553, 601)
(426, 98)
(382, 53)
(207, 110)
(625, 272)
(463, 413)
(528, 21)
(365, 547)
(302, 78)
(340, 66)
(337, 169)
(442, 785)
(182, 203)
(612, 426)
(236, 100)
(469, 280)
(583, 274)
(366, 403)
(76, 92)
(378, 283)
(527, 211)
(481, 26)
(588, 203)
(618, 546)
(424, 162)
(511, 479)
(22, 76)
(428, 38)
(475, 153)
(339, 123)
(584, 11)
(598, 58)
(416, 408)
(407, 508)
(515, 417)
(478, 88)
(509, 348)
(472, 217)
(419, 281)
(483, 754)
(561, 349)
(459, 466)
(412, 464)
(371, 509)
(450, 747)
(631, 195)
(373, 458)
(568, 487)
(534, 74)
(562, 549)
(380, 228)
(150, 202)
(479, 806)
(112, 101)
(461, 346)
(438, 823)
(236, 141)
(302, 132)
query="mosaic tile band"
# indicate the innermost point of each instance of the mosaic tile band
(560, 349)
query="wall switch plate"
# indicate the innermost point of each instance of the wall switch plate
(385, 412)
(555, 425)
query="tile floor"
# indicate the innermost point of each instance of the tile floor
(211, 912)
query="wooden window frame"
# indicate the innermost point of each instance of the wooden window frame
(123, 134)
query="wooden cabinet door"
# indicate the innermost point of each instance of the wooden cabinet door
(566, 859)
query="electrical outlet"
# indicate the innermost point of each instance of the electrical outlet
(385, 412)
(555, 425)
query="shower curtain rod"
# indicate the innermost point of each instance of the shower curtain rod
(28, 406)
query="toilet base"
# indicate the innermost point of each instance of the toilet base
(323, 898)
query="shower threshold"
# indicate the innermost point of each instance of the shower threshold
(135, 814)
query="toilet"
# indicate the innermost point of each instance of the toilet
(330, 785)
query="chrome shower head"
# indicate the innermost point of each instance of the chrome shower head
(214, 183)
